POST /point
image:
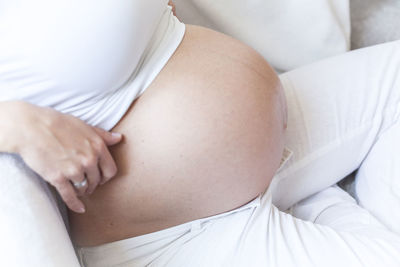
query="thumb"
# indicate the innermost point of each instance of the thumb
(109, 138)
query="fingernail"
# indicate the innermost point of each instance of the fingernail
(117, 135)
(81, 210)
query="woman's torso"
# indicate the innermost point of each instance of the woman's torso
(90, 59)
(200, 141)
(194, 142)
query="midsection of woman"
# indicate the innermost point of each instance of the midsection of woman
(205, 137)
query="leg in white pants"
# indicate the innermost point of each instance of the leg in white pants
(338, 109)
(378, 180)
(343, 113)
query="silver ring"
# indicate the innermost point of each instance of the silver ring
(79, 185)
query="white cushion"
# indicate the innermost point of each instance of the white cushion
(374, 22)
(287, 33)
(32, 231)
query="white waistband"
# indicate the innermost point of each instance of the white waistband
(150, 246)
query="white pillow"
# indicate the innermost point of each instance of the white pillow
(288, 33)
(32, 231)
(374, 22)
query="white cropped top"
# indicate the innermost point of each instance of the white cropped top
(90, 59)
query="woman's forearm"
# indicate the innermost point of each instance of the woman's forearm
(8, 126)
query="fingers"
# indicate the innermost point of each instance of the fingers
(76, 174)
(94, 177)
(79, 179)
(69, 196)
(107, 166)
(109, 138)
(98, 167)
(106, 163)
(91, 168)
(68, 192)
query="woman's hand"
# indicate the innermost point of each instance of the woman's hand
(60, 148)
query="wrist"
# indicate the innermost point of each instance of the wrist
(10, 112)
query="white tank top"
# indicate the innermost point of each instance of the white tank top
(90, 59)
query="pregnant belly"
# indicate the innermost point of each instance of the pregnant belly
(205, 138)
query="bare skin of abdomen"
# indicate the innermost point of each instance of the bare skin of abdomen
(206, 137)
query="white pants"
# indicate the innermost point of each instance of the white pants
(343, 115)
